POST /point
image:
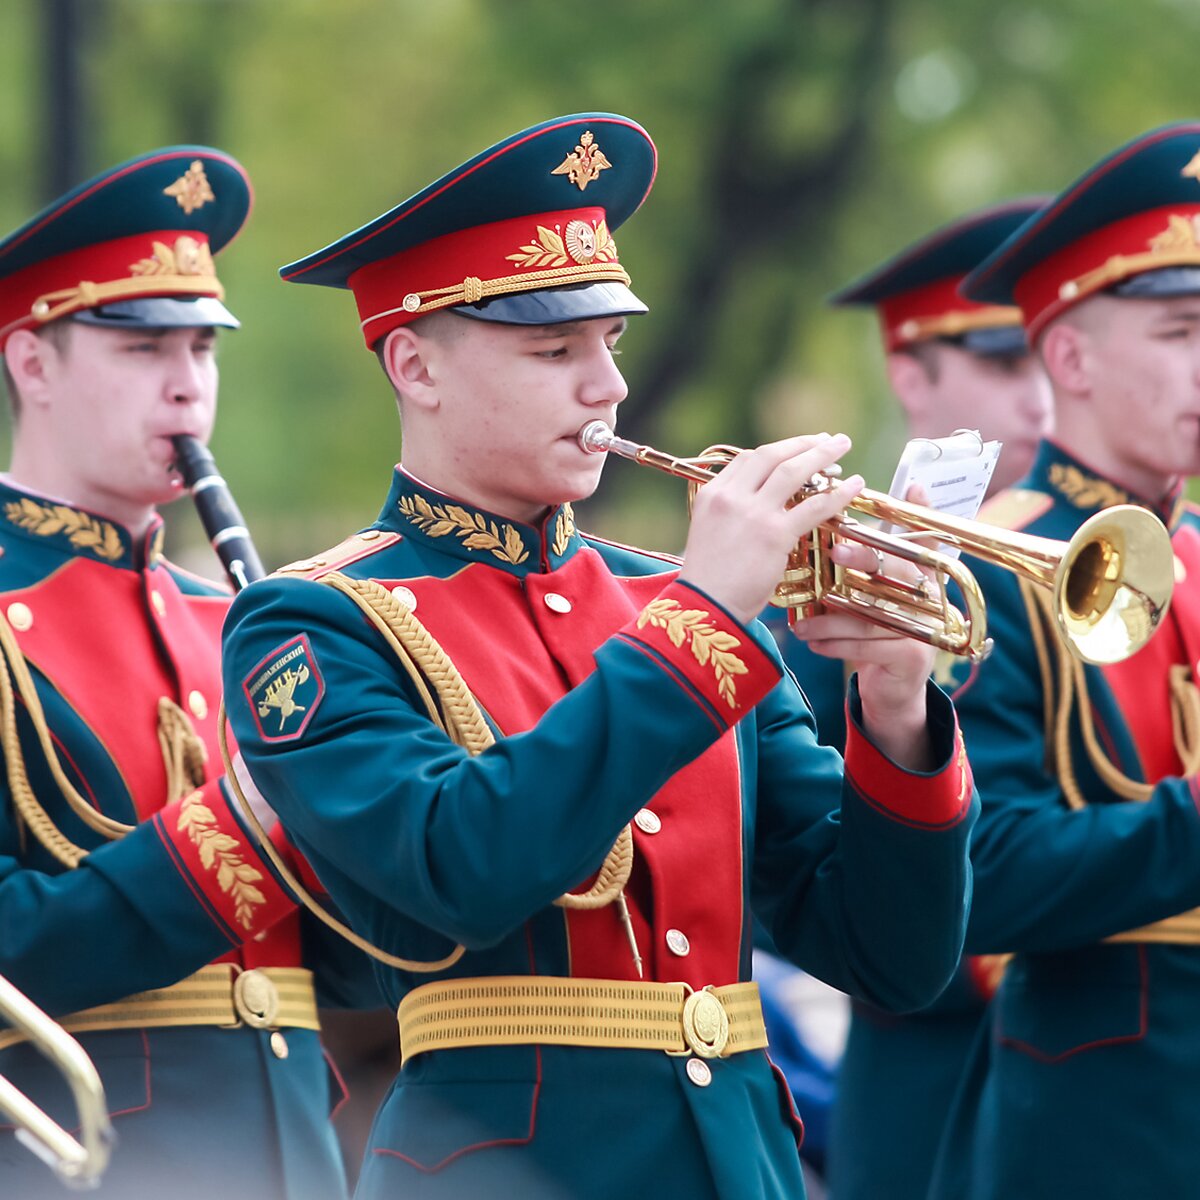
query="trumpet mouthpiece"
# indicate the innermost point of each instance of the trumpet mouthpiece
(595, 437)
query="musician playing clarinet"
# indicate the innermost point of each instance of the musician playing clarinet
(548, 775)
(133, 905)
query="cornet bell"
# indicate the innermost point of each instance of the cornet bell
(1114, 584)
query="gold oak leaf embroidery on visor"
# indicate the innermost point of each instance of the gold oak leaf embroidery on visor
(579, 243)
(186, 257)
(191, 190)
(584, 164)
(82, 531)
(710, 645)
(476, 532)
(220, 852)
(1084, 492)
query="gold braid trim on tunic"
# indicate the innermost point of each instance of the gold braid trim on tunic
(183, 752)
(452, 708)
(1063, 677)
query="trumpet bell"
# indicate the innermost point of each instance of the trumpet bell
(1113, 586)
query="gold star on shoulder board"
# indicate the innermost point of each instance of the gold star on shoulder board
(191, 190)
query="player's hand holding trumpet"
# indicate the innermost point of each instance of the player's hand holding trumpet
(744, 527)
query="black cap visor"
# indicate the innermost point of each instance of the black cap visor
(556, 306)
(160, 312)
(1160, 284)
(999, 341)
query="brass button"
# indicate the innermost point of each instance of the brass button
(647, 821)
(405, 596)
(256, 999)
(158, 603)
(198, 704)
(699, 1072)
(368, 535)
(20, 616)
(677, 942)
(279, 1046)
(557, 603)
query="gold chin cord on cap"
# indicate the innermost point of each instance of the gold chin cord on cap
(78, 1162)
(1111, 583)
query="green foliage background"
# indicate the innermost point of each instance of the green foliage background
(801, 142)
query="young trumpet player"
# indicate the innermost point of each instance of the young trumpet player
(1085, 852)
(134, 907)
(951, 363)
(550, 776)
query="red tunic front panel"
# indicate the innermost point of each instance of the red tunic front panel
(537, 642)
(1141, 683)
(126, 650)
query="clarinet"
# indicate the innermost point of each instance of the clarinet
(224, 524)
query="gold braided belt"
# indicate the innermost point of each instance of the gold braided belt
(221, 994)
(512, 1010)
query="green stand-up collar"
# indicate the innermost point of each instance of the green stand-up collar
(463, 531)
(1062, 475)
(75, 531)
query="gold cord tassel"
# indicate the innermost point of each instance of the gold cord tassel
(183, 752)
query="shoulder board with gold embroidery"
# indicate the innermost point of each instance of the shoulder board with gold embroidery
(355, 547)
(670, 559)
(1015, 508)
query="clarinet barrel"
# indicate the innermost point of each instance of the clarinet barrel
(224, 524)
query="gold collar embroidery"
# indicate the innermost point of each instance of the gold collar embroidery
(84, 532)
(475, 530)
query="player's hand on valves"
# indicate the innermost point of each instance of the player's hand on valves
(892, 669)
(744, 525)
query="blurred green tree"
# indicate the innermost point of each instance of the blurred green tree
(801, 142)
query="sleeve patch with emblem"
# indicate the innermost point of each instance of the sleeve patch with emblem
(284, 690)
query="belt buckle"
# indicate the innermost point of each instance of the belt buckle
(255, 998)
(705, 1024)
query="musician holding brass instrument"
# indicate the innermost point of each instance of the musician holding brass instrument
(951, 363)
(1085, 853)
(134, 907)
(548, 776)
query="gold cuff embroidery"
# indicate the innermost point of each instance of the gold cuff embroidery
(220, 852)
(710, 646)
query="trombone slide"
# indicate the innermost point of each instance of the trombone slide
(78, 1162)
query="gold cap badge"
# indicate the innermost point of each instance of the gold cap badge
(191, 190)
(584, 163)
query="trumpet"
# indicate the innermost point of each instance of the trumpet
(78, 1162)
(1111, 583)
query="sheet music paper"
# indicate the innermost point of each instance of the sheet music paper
(955, 472)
